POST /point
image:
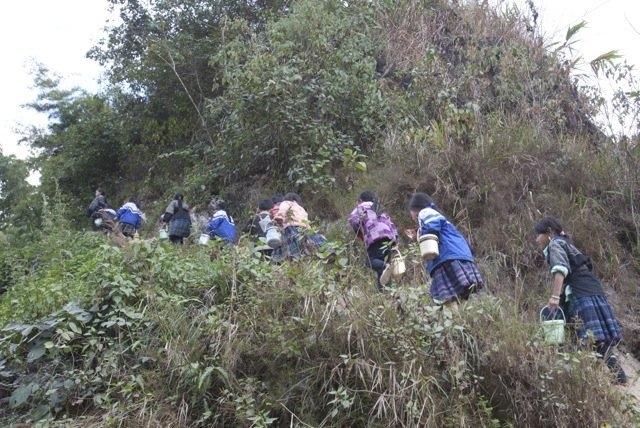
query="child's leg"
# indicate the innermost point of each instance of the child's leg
(376, 260)
(605, 351)
(378, 266)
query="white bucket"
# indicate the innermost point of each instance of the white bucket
(553, 330)
(97, 222)
(163, 235)
(204, 239)
(428, 246)
(398, 267)
(265, 223)
(274, 237)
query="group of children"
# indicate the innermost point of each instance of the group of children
(455, 275)
(453, 271)
(127, 220)
(288, 216)
(285, 213)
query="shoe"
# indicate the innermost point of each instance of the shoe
(385, 277)
(621, 377)
(614, 365)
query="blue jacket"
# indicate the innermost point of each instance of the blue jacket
(222, 226)
(452, 244)
(130, 214)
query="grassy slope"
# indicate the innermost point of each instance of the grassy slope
(197, 337)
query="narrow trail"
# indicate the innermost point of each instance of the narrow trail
(631, 366)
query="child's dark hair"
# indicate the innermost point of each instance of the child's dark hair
(178, 197)
(547, 225)
(265, 204)
(368, 196)
(420, 201)
(100, 191)
(276, 199)
(221, 205)
(293, 197)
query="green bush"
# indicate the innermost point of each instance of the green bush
(298, 94)
(49, 273)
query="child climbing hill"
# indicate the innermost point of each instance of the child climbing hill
(378, 233)
(454, 274)
(221, 225)
(298, 240)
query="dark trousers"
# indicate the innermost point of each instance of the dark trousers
(266, 253)
(127, 230)
(377, 253)
(176, 239)
(605, 351)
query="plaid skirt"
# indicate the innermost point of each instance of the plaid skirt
(455, 279)
(180, 227)
(595, 319)
(296, 243)
(127, 229)
(315, 241)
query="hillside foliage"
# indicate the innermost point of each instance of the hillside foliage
(166, 336)
(462, 100)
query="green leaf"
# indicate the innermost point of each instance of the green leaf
(204, 377)
(20, 396)
(361, 166)
(600, 61)
(35, 353)
(574, 29)
(75, 328)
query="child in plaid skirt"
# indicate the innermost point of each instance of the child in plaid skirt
(454, 274)
(298, 240)
(579, 292)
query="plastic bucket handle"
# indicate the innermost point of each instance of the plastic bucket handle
(547, 307)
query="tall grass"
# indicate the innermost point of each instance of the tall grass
(324, 349)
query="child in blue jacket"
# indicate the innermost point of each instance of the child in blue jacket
(454, 274)
(130, 218)
(221, 225)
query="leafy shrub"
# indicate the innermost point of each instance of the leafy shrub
(48, 273)
(298, 94)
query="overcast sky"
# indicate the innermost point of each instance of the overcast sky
(59, 33)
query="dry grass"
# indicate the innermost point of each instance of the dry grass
(324, 349)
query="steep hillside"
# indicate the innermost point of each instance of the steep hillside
(246, 99)
(164, 336)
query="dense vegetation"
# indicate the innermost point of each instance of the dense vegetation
(243, 99)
